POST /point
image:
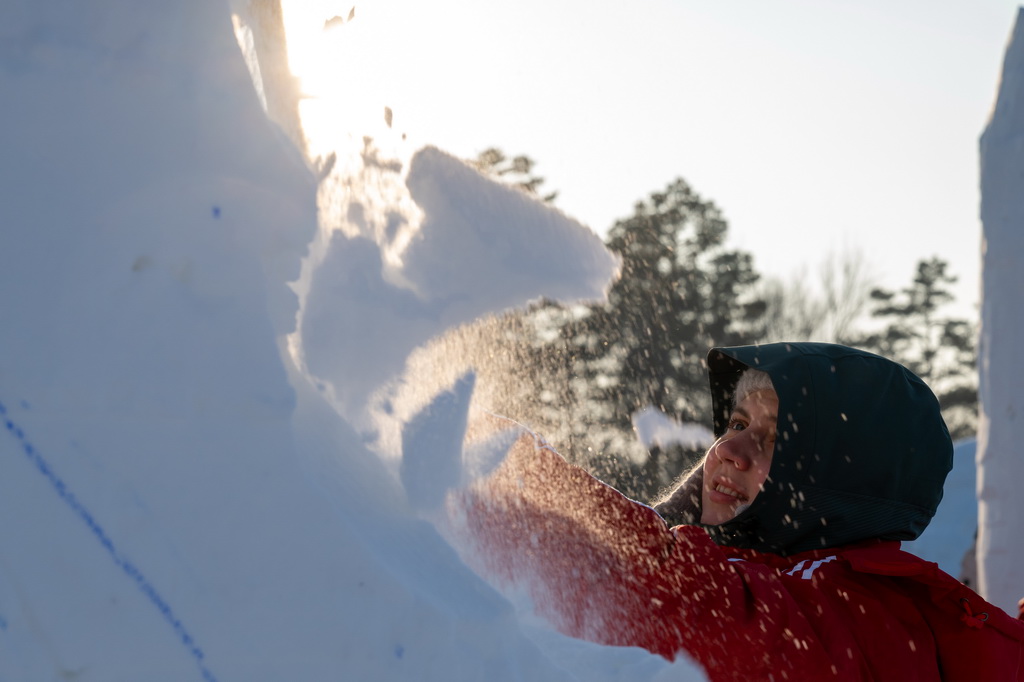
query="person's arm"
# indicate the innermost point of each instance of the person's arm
(581, 549)
(604, 568)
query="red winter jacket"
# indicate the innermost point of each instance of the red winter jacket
(604, 568)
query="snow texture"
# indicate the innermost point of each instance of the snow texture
(432, 447)
(479, 248)
(1000, 464)
(180, 496)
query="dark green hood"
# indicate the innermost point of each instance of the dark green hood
(861, 451)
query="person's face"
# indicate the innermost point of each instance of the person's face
(737, 464)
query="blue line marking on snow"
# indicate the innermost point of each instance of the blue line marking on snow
(129, 569)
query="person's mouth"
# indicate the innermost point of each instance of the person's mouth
(723, 487)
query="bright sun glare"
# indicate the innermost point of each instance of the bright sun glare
(344, 65)
(328, 53)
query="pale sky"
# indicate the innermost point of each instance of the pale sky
(815, 125)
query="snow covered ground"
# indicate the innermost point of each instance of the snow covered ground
(200, 470)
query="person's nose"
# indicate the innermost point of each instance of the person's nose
(736, 451)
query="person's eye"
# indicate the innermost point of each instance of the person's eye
(736, 424)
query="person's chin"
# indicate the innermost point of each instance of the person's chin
(716, 516)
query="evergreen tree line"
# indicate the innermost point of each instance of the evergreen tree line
(578, 374)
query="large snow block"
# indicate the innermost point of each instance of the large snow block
(1001, 374)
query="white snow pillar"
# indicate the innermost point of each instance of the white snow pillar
(1001, 349)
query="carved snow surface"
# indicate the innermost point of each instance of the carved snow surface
(1001, 373)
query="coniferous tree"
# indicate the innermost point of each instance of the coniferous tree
(939, 349)
(516, 171)
(681, 292)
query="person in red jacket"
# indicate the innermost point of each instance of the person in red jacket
(779, 556)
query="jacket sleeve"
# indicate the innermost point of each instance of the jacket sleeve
(607, 569)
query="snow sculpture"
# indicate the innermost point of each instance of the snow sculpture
(177, 499)
(1000, 458)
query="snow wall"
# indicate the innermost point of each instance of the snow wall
(1001, 380)
(187, 486)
